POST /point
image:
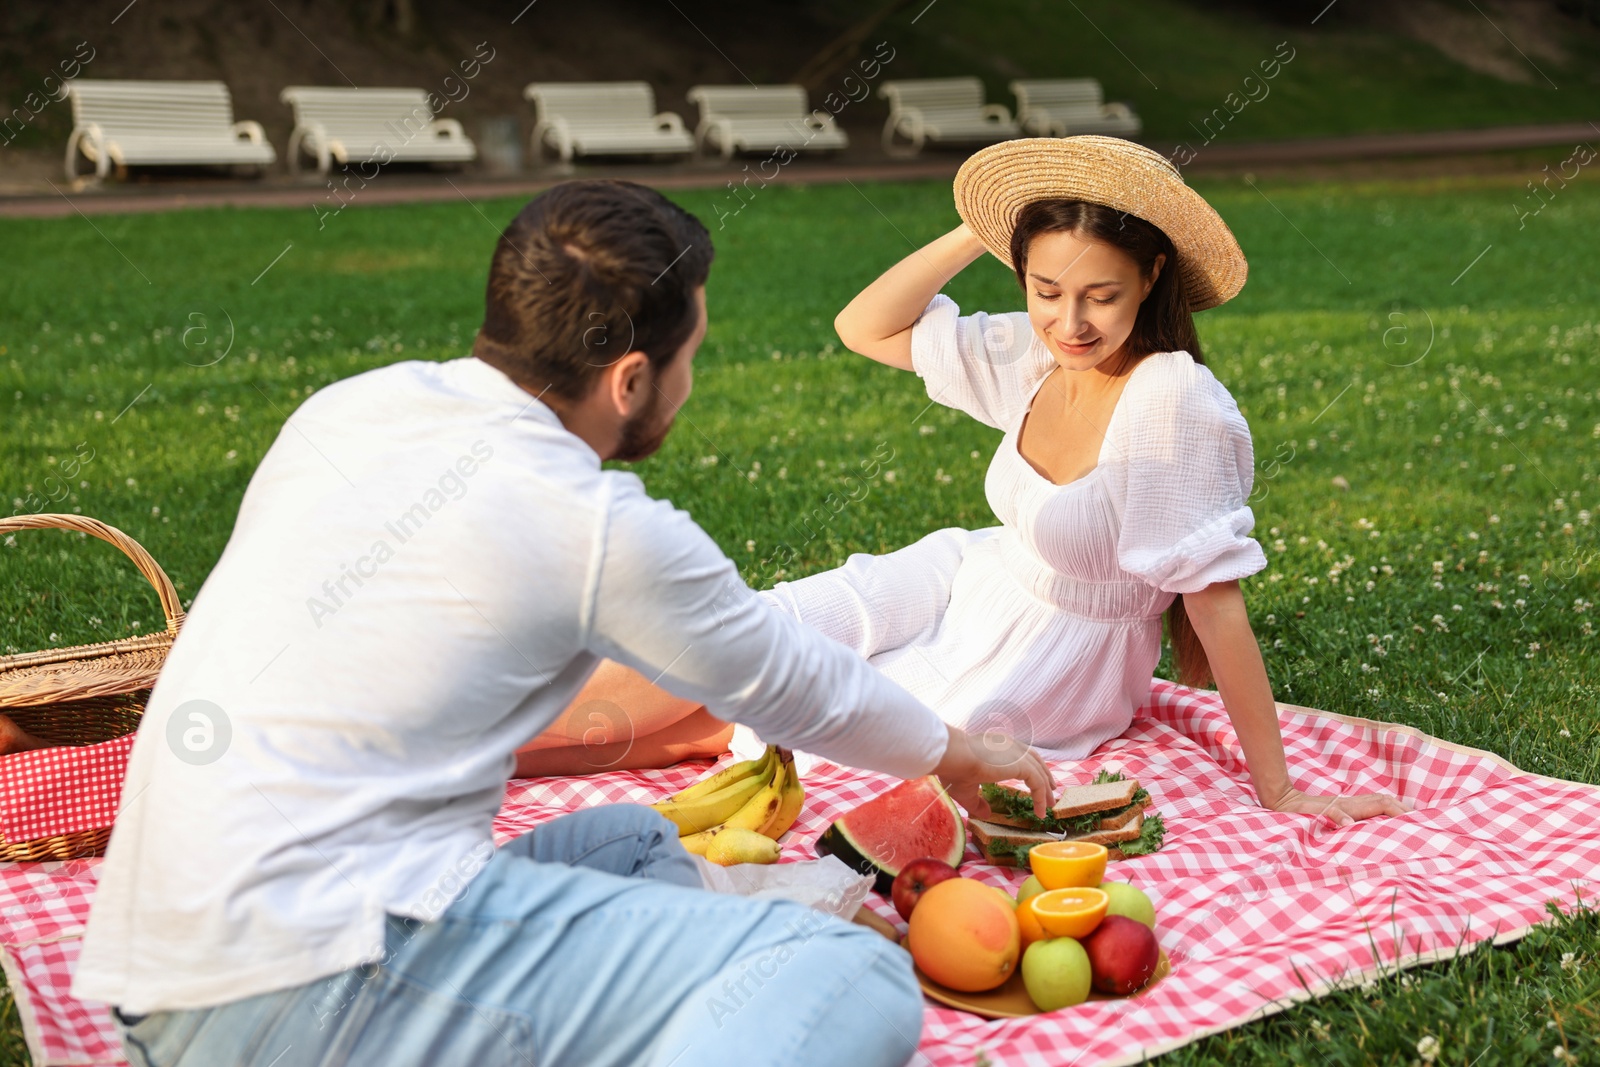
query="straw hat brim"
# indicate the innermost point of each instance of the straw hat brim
(994, 184)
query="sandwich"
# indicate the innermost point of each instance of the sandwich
(1109, 811)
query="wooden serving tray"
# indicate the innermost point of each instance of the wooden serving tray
(1011, 1000)
(1008, 1001)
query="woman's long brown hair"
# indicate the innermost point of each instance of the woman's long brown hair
(1163, 324)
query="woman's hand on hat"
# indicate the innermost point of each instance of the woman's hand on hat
(971, 760)
(1343, 810)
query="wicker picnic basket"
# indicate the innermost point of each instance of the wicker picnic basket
(85, 694)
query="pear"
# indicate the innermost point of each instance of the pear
(737, 845)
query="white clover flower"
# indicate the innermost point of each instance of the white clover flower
(1428, 1047)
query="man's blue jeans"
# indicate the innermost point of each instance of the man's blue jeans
(587, 942)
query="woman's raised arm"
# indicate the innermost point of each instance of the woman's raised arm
(877, 323)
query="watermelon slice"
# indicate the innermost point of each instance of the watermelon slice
(910, 821)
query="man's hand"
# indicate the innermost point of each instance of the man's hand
(971, 760)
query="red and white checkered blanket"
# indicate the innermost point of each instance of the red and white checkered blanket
(1255, 910)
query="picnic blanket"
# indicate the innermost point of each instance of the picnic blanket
(1256, 910)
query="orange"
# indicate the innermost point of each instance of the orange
(964, 935)
(1029, 922)
(1068, 864)
(1070, 912)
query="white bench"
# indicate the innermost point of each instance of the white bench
(1061, 106)
(602, 119)
(136, 123)
(745, 118)
(356, 125)
(941, 110)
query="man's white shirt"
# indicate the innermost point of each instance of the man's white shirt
(425, 569)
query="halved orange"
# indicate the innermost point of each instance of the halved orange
(1069, 912)
(1031, 929)
(1068, 864)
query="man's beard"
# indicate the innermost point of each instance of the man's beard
(641, 435)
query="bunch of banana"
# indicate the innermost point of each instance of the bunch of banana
(761, 796)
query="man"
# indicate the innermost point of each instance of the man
(426, 566)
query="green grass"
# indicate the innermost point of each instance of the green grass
(1446, 587)
(1177, 61)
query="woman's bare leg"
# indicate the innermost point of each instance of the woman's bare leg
(620, 721)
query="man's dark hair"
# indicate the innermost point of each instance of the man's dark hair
(587, 272)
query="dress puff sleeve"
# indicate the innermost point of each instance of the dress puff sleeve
(985, 365)
(1189, 466)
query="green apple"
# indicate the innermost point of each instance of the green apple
(1056, 973)
(1031, 888)
(1130, 901)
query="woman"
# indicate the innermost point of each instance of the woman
(1120, 484)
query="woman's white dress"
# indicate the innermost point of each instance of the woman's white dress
(1048, 626)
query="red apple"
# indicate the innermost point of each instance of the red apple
(1123, 954)
(915, 879)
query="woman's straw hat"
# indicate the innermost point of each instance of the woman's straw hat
(994, 184)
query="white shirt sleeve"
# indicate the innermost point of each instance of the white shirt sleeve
(985, 365)
(1189, 469)
(670, 605)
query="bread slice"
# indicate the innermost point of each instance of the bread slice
(1078, 800)
(987, 835)
(1115, 820)
(1128, 831)
(1083, 799)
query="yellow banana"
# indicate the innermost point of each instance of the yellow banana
(749, 768)
(759, 809)
(704, 812)
(700, 842)
(794, 799)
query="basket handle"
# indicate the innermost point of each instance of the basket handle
(147, 565)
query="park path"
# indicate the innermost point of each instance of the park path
(400, 188)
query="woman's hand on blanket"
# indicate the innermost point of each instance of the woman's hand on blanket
(1342, 810)
(970, 760)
